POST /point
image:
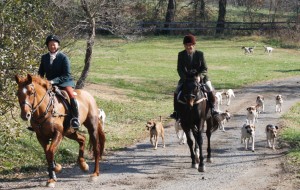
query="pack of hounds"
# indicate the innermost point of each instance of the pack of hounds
(253, 112)
(156, 128)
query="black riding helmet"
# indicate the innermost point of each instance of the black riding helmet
(52, 38)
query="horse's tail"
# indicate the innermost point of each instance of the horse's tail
(101, 138)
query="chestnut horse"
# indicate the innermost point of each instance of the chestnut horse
(48, 115)
(193, 113)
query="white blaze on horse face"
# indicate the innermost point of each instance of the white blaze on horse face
(24, 90)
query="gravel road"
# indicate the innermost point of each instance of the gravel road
(169, 168)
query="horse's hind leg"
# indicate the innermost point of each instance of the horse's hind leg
(81, 141)
(97, 142)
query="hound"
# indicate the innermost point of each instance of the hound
(248, 50)
(229, 94)
(156, 129)
(252, 115)
(248, 132)
(219, 99)
(271, 132)
(268, 49)
(179, 132)
(102, 117)
(279, 101)
(260, 103)
(224, 117)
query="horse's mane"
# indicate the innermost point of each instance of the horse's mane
(41, 81)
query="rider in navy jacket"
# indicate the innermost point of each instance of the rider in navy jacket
(55, 66)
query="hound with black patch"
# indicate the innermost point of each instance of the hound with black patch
(248, 132)
(224, 117)
(248, 50)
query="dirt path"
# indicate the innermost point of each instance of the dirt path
(141, 167)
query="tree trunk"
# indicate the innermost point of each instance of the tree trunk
(221, 17)
(169, 16)
(89, 46)
(202, 14)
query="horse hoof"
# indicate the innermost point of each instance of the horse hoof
(50, 183)
(57, 168)
(209, 160)
(201, 169)
(84, 167)
(195, 166)
(93, 178)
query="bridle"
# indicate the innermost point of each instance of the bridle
(33, 108)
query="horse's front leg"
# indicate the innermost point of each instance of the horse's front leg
(199, 140)
(190, 143)
(50, 150)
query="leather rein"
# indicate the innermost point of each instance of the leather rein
(198, 100)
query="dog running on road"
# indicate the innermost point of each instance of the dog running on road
(156, 129)
(224, 117)
(219, 99)
(279, 101)
(229, 94)
(248, 132)
(260, 105)
(271, 132)
(252, 115)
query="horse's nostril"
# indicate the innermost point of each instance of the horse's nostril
(28, 116)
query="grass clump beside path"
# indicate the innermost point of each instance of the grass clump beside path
(291, 134)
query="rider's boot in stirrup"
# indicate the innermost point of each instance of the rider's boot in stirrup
(75, 114)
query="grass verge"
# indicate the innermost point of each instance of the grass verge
(291, 135)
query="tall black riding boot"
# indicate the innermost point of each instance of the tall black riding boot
(211, 103)
(174, 115)
(75, 113)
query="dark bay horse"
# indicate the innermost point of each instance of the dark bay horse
(193, 113)
(47, 115)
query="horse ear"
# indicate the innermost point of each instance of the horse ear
(29, 77)
(17, 78)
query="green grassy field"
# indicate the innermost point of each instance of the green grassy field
(145, 70)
